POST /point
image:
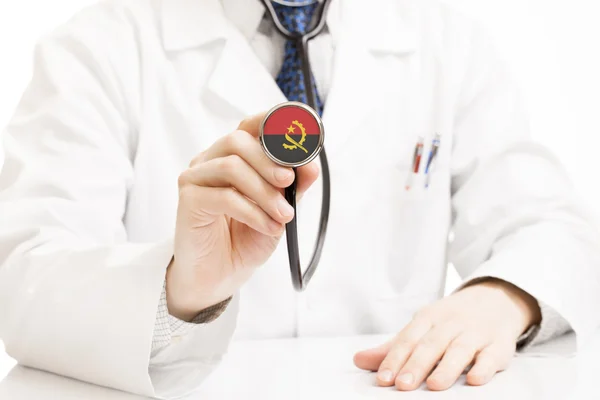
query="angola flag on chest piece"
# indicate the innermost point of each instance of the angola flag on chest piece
(292, 134)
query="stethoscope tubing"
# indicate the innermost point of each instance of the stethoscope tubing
(300, 280)
(321, 19)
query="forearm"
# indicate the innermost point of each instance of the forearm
(556, 264)
(90, 314)
(86, 313)
(191, 352)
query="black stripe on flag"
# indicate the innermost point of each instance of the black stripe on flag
(274, 143)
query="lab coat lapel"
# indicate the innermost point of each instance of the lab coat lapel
(241, 81)
(239, 84)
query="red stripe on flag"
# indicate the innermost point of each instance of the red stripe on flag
(280, 120)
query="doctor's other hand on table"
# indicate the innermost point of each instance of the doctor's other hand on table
(140, 218)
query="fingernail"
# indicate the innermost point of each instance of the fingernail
(480, 377)
(406, 378)
(285, 208)
(437, 378)
(283, 175)
(386, 375)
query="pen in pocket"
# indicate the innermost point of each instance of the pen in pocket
(435, 145)
(416, 162)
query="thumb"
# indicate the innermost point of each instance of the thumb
(252, 124)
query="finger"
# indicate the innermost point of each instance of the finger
(458, 356)
(401, 350)
(307, 175)
(492, 359)
(230, 202)
(244, 145)
(252, 123)
(371, 359)
(235, 172)
(249, 125)
(425, 355)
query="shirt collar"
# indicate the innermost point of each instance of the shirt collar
(246, 18)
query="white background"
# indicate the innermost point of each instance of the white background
(553, 47)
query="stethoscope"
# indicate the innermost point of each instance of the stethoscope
(300, 280)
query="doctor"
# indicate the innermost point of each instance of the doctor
(140, 221)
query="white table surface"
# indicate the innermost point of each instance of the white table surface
(322, 368)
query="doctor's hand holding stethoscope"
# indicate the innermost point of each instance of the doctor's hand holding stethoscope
(231, 214)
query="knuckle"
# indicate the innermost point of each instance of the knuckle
(423, 315)
(452, 325)
(499, 353)
(186, 192)
(477, 338)
(403, 341)
(427, 342)
(184, 178)
(246, 121)
(488, 364)
(196, 160)
(234, 141)
(463, 345)
(494, 358)
(425, 347)
(239, 134)
(229, 195)
(404, 344)
(229, 141)
(273, 195)
(229, 165)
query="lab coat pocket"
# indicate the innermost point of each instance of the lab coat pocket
(407, 264)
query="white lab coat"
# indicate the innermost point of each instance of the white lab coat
(127, 93)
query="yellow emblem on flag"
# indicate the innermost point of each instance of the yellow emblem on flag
(295, 145)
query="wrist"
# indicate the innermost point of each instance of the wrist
(526, 307)
(185, 301)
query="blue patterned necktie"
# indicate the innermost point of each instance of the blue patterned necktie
(290, 80)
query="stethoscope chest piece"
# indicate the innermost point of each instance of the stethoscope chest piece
(292, 134)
